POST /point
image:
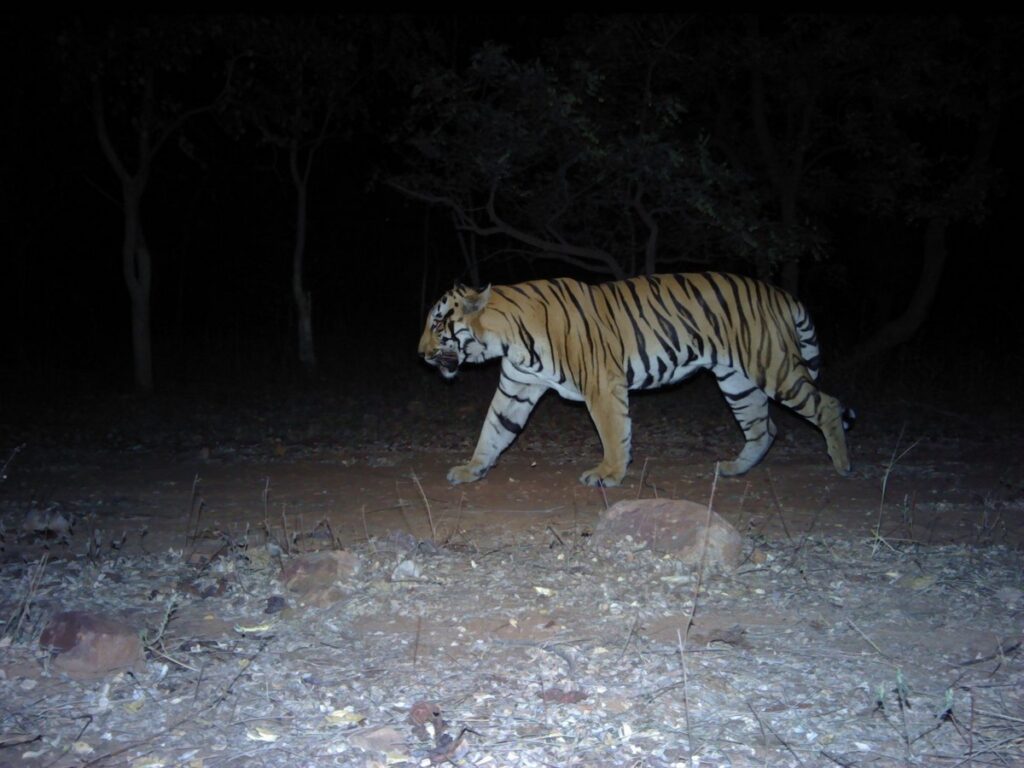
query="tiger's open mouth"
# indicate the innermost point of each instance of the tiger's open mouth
(446, 362)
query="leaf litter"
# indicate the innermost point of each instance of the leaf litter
(537, 650)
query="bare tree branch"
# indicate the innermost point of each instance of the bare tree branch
(580, 256)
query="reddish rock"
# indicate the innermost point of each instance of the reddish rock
(672, 526)
(90, 645)
(317, 571)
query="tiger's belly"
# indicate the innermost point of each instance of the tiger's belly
(659, 373)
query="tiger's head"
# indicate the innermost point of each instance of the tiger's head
(448, 339)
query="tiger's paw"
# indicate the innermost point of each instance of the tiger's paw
(600, 477)
(843, 468)
(733, 468)
(466, 473)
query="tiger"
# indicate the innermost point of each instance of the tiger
(595, 343)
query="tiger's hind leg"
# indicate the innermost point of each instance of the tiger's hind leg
(826, 413)
(749, 405)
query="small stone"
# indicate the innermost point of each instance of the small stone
(318, 570)
(383, 738)
(407, 570)
(50, 521)
(275, 604)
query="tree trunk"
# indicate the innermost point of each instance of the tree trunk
(790, 274)
(303, 298)
(469, 256)
(137, 267)
(426, 264)
(136, 264)
(651, 246)
(785, 172)
(304, 305)
(142, 342)
(905, 326)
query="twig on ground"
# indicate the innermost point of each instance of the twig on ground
(869, 641)
(23, 608)
(629, 636)
(879, 540)
(640, 484)
(244, 669)
(836, 760)
(681, 640)
(155, 644)
(739, 509)
(683, 635)
(192, 510)
(778, 505)
(284, 524)
(903, 700)
(158, 651)
(778, 738)
(551, 646)
(266, 504)
(416, 641)
(457, 528)
(172, 601)
(426, 503)
(366, 528)
(335, 539)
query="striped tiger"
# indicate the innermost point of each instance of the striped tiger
(594, 343)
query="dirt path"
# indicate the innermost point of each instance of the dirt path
(929, 497)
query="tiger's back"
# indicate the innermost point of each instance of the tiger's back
(672, 325)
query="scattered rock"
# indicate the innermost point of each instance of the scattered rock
(321, 597)
(423, 711)
(318, 569)
(90, 645)
(313, 576)
(403, 541)
(917, 581)
(48, 522)
(1010, 595)
(407, 570)
(423, 714)
(382, 738)
(672, 526)
(562, 696)
(275, 604)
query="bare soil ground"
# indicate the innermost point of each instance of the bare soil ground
(876, 620)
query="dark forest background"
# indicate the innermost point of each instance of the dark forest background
(190, 199)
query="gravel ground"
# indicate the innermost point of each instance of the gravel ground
(534, 650)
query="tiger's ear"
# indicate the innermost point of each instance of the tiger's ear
(474, 301)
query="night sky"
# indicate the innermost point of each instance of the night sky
(219, 215)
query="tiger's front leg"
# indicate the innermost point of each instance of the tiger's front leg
(609, 408)
(510, 408)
